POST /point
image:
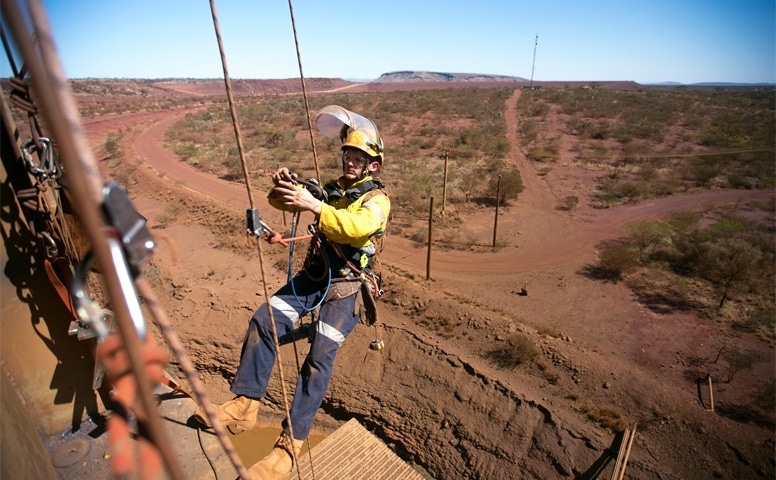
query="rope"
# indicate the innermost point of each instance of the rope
(160, 318)
(250, 196)
(85, 183)
(289, 240)
(207, 457)
(315, 243)
(291, 245)
(244, 164)
(20, 97)
(232, 108)
(304, 92)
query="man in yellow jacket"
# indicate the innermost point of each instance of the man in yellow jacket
(352, 212)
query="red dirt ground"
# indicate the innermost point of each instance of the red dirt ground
(430, 393)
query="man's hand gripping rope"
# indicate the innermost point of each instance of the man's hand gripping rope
(297, 195)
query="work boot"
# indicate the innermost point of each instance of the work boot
(278, 464)
(238, 414)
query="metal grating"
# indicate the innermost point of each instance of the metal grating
(353, 453)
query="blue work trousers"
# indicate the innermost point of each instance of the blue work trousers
(336, 319)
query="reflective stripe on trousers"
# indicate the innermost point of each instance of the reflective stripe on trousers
(336, 320)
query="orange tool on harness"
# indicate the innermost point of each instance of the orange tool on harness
(146, 462)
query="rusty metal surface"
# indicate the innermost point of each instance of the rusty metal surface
(22, 453)
(69, 453)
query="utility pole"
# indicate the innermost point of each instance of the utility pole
(444, 186)
(533, 64)
(430, 235)
(498, 200)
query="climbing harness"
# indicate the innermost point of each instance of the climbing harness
(335, 192)
(256, 227)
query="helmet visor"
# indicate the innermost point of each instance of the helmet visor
(335, 121)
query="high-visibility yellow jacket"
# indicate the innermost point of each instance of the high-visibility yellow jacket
(353, 222)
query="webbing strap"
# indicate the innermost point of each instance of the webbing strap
(59, 287)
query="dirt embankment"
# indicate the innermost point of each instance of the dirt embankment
(429, 393)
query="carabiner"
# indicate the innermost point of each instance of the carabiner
(48, 166)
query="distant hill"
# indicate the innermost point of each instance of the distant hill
(415, 76)
(127, 88)
(729, 84)
(709, 84)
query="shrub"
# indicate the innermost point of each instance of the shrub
(616, 260)
(541, 154)
(510, 186)
(756, 320)
(171, 212)
(701, 170)
(112, 145)
(568, 203)
(420, 235)
(683, 221)
(517, 350)
(648, 236)
(529, 131)
(607, 417)
(729, 264)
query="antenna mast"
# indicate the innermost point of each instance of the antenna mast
(536, 42)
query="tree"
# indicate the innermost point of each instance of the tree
(511, 185)
(468, 185)
(648, 235)
(729, 263)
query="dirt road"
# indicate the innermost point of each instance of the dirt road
(546, 236)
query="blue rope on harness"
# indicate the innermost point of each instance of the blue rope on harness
(291, 270)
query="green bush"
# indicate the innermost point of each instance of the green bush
(113, 145)
(568, 203)
(616, 260)
(517, 350)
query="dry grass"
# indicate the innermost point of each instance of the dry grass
(607, 417)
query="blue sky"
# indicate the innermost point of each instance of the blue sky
(646, 41)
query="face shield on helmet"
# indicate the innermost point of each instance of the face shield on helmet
(352, 129)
